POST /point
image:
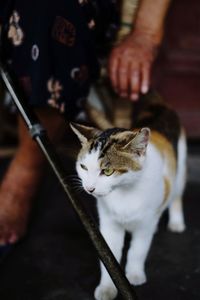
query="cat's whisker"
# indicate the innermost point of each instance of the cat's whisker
(72, 176)
(79, 190)
(75, 182)
(77, 186)
(73, 179)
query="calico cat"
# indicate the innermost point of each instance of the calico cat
(134, 175)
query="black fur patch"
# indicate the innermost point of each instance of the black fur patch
(151, 112)
(102, 141)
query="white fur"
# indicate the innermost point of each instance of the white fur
(176, 218)
(133, 202)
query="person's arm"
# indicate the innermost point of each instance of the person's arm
(130, 61)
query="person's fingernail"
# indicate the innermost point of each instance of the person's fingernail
(123, 95)
(144, 89)
(134, 97)
(12, 239)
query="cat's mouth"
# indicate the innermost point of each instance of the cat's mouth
(97, 193)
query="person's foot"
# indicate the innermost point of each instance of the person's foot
(21, 181)
(16, 193)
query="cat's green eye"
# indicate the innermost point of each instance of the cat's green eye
(84, 167)
(108, 171)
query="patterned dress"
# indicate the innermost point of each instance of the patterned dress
(51, 49)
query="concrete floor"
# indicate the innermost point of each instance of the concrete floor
(56, 260)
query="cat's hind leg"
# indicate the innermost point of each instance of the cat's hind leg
(176, 217)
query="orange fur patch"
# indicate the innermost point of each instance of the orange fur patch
(165, 148)
(167, 189)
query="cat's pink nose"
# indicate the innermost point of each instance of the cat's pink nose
(90, 189)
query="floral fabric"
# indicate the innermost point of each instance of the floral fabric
(49, 46)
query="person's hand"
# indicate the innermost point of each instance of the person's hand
(130, 64)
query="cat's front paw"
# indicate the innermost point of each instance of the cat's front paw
(105, 292)
(136, 278)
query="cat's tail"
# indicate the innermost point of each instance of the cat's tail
(98, 117)
(152, 98)
(106, 109)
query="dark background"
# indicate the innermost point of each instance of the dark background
(56, 260)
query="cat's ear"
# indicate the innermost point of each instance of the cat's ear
(84, 133)
(139, 142)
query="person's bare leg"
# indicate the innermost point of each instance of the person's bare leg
(22, 178)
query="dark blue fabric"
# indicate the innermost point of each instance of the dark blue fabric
(4, 251)
(2, 7)
(55, 61)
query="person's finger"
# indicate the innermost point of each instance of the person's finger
(123, 75)
(113, 71)
(134, 82)
(145, 78)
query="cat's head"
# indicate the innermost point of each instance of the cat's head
(109, 159)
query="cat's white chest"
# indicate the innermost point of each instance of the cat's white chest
(130, 207)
